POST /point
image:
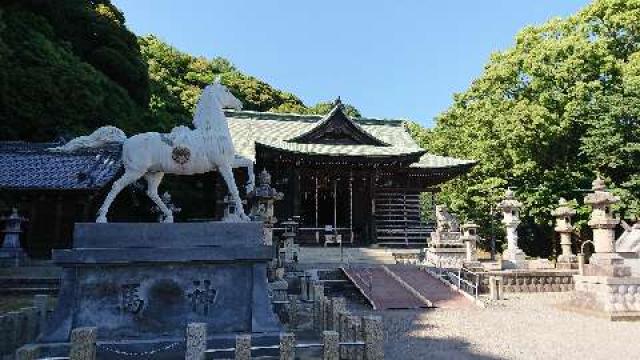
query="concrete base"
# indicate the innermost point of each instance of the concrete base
(141, 284)
(452, 257)
(11, 257)
(615, 298)
(514, 259)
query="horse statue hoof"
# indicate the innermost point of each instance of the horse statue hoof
(101, 219)
(168, 220)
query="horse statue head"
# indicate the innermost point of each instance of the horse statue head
(213, 99)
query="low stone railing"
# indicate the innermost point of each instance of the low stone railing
(23, 326)
(531, 281)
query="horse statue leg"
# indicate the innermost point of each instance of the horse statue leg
(227, 173)
(153, 181)
(127, 178)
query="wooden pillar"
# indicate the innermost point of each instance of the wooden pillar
(335, 205)
(351, 206)
(372, 220)
(295, 192)
(315, 176)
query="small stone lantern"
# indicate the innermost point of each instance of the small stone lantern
(470, 238)
(11, 251)
(563, 214)
(510, 208)
(290, 251)
(263, 206)
(603, 224)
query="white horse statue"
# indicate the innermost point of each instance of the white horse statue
(184, 151)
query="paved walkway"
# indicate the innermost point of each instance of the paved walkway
(440, 295)
(403, 287)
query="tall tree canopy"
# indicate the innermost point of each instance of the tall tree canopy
(67, 67)
(548, 115)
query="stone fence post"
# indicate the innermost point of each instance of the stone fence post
(196, 341)
(338, 305)
(28, 352)
(83, 343)
(293, 311)
(330, 345)
(41, 302)
(373, 338)
(243, 347)
(287, 346)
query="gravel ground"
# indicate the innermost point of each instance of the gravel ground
(525, 326)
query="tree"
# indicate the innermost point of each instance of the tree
(545, 117)
(48, 84)
(177, 79)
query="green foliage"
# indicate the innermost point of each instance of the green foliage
(48, 85)
(545, 117)
(177, 79)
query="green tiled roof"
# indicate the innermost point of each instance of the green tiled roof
(273, 130)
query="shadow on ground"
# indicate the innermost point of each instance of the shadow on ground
(408, 337)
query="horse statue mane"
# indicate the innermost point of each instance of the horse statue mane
(183, 151)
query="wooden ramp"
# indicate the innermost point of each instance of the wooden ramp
(402, 287)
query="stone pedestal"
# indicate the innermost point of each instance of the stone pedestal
(605, 287)
(141, 284)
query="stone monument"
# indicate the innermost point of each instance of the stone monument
(606, 287)
(141, 284)
(11, 253)
(512, 256)
(563, 214)
(446, 248)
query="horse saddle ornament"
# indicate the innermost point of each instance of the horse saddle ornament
(181, 155)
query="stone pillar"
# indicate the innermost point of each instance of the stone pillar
(358, 352)
(30, 329)
(373, 338)
(343, 326)
(495, 287)
(12, 324)
(287, 346)
(330, 348)
(470, 238)
(28, 352)
(293, 311)
(338, 305)
(196, 341)
(563, 214)
(603, 224)
(41, 302)
(511, 219)
(83, 343)
(243, 347)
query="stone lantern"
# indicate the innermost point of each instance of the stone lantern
(563, 214)
(603, 224)
(11, 252)
(510, 208)
(290, 251)
(470, 238)
(263, 207)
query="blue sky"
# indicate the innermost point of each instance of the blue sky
(391, 59)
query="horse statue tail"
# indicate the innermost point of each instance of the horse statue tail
(102, 136)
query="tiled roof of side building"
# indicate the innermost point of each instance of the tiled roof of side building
(31, 166)
(274, 129)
